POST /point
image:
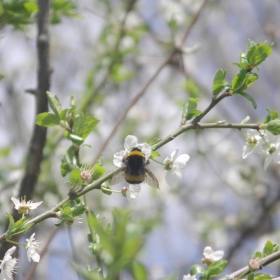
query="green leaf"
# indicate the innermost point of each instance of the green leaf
(54, 103)
(268, 249)
(68, 161)
(262, 276)
(75, 177)
(73, 104)
(107, 191)
(20, 226)
(249, 98)
(1, 77)
(139, 271)
(215, 268)
(251, 276)
(47, 119)
(31, 7)
(189, 110)
(272, 115)
(63, 114)
(65, 168)
(89, 125)
(219, 84)
(258, 53)
(155, 154)
(258, 255)
(11, 223)
(79, 119)
(98, 171)
(274, 126)
(197, 269)
(77, 140)
(78, 210)
(239, 80)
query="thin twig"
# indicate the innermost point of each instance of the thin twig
(149, 82)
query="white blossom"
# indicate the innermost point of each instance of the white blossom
(32, 247)
(273, 153)
(8, 265)
(189, 277)
(24, 206)
(211, 256)
(132, 192)
(254, 142)
(174, 167)
(129, 143)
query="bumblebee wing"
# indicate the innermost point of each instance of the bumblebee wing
(117, 178)
(151, 179)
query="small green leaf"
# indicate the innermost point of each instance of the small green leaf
(107, 191)
(258, 53)
(47, 119)
(219, 83)
(75, 177)
(79, 119)
(68, 161)
(155, 154)
(65, 168)
(258, 255)
(98, 171)
(251, 276)
(63, 114)
(197, 269)
(139, 271)
(72, 104)
(272, 115)
(262, 276)
(77, 140)
(89, 125)
(274, 126)
(189, 110)
(11, 223)
(239, 80)
(31, 7)
(1, 77)
(249, 98)
(54, 103)
(78, 210)
(216, 267)
(268, 249)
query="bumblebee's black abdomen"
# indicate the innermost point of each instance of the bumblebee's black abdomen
(135, 172)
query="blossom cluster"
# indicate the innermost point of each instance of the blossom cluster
(210, 256)
(9, 264)
(173, 165)
(264, 143)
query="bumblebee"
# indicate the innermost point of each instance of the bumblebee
(135, 170)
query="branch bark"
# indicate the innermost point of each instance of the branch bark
(37, 143)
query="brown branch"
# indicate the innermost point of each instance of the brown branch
(35, 152)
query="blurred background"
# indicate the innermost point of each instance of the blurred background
(104, 53)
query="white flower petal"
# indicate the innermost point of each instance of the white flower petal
(189, 277)
(16, 202)
(34, 205)
(217, 255)
(207, 251)
(133, 192)
(182, 160)
(173, 177)
(146, 149)
(118, 158)
(130, 142)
